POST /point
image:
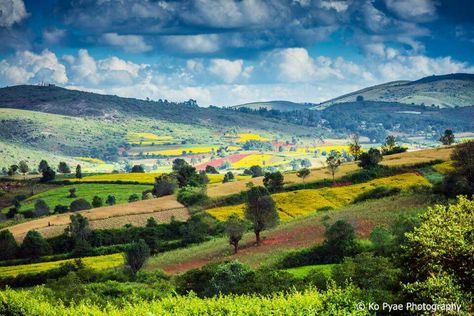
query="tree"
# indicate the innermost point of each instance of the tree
(34, 246)
(110, 200)
(383, 240)
(8, 245)
(370, 159)
(12, 170)
(165, 184)
(185, 173)
(78, 172)
(303, 173)
(59, 209)
(78, 228)
(97, 201)
(461, 179)
(333, 163)
(63, 167)
(72, 193)
(136, 255)
(228, 177)
(234, 228)
(260, 210)
(133, 198)
(43, 165)
(211, 170)
(447, 138)
(360, 98)
(48, 175)
(256, 171)
(137, 169)
(355, 149)
(79, 205)
(273, 181)
(444, 242)
(41, 208)
(389, 143)
(340, 240)
(23, 167)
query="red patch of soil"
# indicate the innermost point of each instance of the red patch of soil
(218, 162)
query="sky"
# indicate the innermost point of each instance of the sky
(227, 52)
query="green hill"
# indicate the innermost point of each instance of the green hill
(444, 91)
(282, 106)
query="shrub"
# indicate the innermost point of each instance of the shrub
(59, 209)
(377, 193)
(370, 159)
(136, 255)
(110, 200)
(97, 201)
(79, 205)
(8, 245)
(133, 198)
(41, 208)
(191, 195)
(165, 184)
(273, 181)
(34, 246)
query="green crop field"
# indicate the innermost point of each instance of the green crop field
(97, 263)
(60, 196)
(301, 272)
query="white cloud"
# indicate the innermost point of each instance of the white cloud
(420, 10)
(53, 36)
(227, 70)
(11, 12)
(339, 6)
(28, 67)
(207, 43)
(129, 43)
(295, 65)
(415, 67)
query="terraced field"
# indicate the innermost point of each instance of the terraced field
(96, 263)
(108, 216)
(303, 202)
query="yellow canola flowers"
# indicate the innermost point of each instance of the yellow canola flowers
(302, 202)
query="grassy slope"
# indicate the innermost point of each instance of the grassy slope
(301, 232)
(447, 92)
(97, 262)
(301, 272)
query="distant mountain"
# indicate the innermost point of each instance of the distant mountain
(444, 91)
(283, 106)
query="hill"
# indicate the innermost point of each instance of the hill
(445, 91)
(282, 106)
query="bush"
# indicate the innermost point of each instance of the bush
(394, 150)
(133, 198)
(34, 246)
(59, 209)
(165, 184)
(377, 193)
(370, 159)
(79, 205)
(8, 245)
(136, 255)
(41, 208)
(97, 201)
(191, 195)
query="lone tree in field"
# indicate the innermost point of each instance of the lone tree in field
(228, 177)
(23, 167)
(72, 193)
(41, 208)
(390, 143)
(136, 255)
(137, 169)
(165, 184)
(79, 205)
(447, 138)
(260, 210)
(63, 167)
(97, 201)
(370, 159)
(79, 228)
(273, 181)
(234, 228)
(78, 172)
(355, 149)
(110, 200)
(303, 173)
(333, 163)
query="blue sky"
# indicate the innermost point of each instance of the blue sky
(226, 52)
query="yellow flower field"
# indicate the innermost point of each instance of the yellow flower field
(148, 139)
(179, 151)
(445, 167)
(246, 137)
(256, 159)
(303, 202)
(96, 263)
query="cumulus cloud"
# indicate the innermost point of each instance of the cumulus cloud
(419, 10)
(128, 43)
(28, 67)
(11, 12)
(226, 69)
(207, 43)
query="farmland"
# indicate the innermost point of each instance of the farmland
(303, 202)
(148, 139)
(97, 263)
(60, 196)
